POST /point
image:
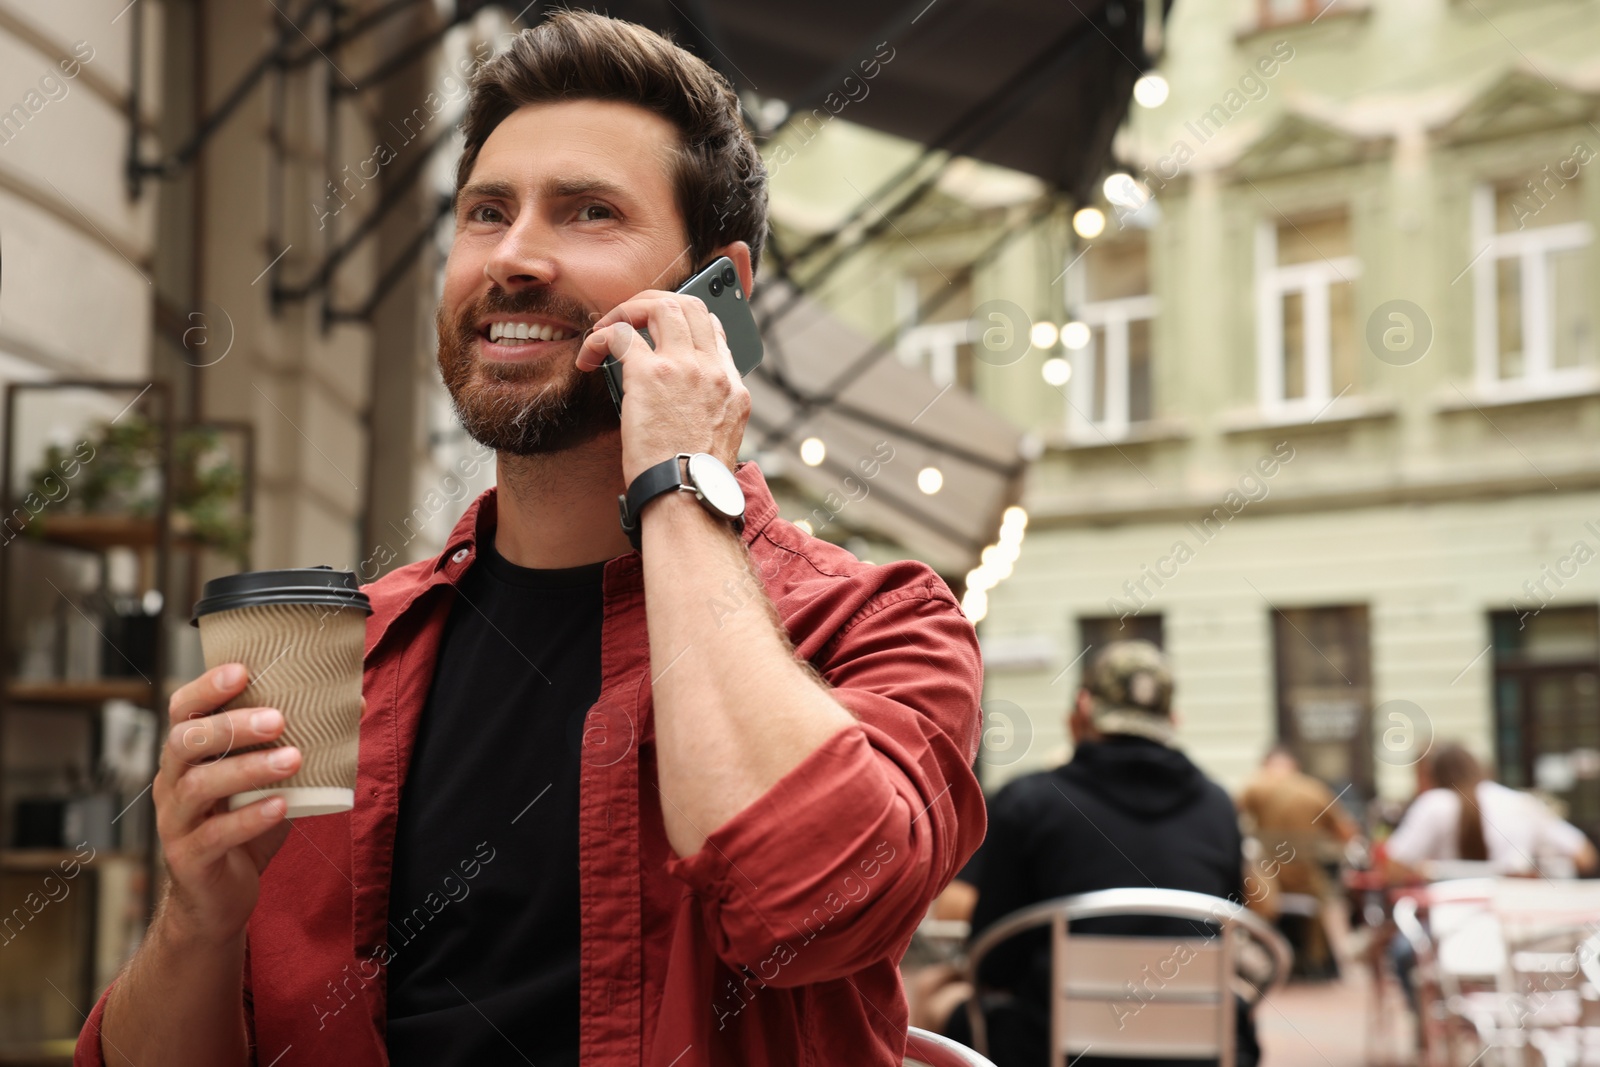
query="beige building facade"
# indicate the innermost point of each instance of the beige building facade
(1332, 436)
(1323, 411)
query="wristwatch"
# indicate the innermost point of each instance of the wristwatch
(699, 473)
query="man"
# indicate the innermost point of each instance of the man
(1128, 809)
(678, 806)
(1293, 815)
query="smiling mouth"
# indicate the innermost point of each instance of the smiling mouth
(521, 334)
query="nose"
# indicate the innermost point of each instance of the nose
(522, 258)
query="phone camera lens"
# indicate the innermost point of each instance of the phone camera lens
(715, 287)
(728, 277)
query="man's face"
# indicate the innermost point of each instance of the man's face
(569, 211)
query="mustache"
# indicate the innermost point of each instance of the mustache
(532, 301)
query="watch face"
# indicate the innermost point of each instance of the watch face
(716, 484)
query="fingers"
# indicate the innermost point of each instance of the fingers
(218, 834)
(194, 775)
(615, 340)
(699, 317)
(723, 350)
(193, 797)
(208, 692)
(675, 320)
(199, 740)
(635, 311)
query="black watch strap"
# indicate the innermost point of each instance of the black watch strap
(664, 477)
(669, 475)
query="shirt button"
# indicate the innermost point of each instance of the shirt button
(460, 555)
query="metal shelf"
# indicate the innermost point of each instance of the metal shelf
(153, 537)
(38, 1054)
(88, 693)
(97, 533)
(21, 860)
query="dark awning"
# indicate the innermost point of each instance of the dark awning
(1036, 85)
(883, 428)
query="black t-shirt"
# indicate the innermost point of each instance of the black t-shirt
(483, 901)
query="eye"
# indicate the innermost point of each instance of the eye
(585, 216)
(485, 213)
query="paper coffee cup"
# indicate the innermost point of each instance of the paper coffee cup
(301, 634)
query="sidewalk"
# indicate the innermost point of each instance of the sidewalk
(1325, 1025)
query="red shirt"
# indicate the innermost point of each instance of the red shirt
(778, 941)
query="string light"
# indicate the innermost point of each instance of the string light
(1089, 222)
(813, 451)
(996, 563)
(1151, 90)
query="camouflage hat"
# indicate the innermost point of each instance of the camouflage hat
(1132, 688)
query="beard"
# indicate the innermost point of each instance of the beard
(526, 408)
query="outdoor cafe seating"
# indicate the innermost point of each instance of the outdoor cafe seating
(1188, 1012)
(1506, 970)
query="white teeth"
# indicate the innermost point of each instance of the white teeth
(517, 331)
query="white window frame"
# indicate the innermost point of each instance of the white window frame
(928, 346)
(1113, 317)
(1312, 281)
(932, 347)
(1533, 247)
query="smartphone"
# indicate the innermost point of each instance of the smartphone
(718, 285)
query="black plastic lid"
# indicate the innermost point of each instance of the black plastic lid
(301, 585)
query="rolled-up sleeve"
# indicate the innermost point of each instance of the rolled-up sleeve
(88, 1052)
(834, 866)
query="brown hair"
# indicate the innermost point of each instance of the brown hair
(719, 179)
(1453, 767)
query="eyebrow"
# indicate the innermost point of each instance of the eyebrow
(484, 190)
(563, 188)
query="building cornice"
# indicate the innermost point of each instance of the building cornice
(1044, 515)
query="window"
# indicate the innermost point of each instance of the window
(1305, 318)
(1323, 682)
(1097, 631)
(942, 347)
(1532, 320)
(1547, 706)
(1285, 12)
(1108, 290)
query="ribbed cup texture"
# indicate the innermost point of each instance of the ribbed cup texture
(304, 660)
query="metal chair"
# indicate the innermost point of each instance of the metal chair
(925, 1049)
(1500, 962)
(1144, 996)
(1458, 957)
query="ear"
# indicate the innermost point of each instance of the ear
(1080, 722)
(739, 252)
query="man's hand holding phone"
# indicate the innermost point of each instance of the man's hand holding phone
(683, 395)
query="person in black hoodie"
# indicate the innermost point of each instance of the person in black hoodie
(1128, 810)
